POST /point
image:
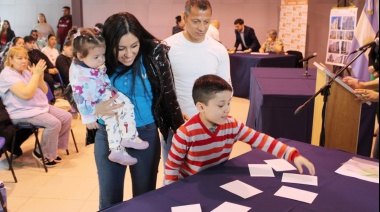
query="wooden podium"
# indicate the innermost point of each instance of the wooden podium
(342, 118)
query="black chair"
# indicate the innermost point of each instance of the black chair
(34, 128)
(299, 57)
(3, 150)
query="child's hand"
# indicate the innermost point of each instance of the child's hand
(92, 126)
(300, 161)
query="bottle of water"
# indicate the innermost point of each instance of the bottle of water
(3, 192)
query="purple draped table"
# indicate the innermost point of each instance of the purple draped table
(241, 63)
(275, 94)
(335, 192)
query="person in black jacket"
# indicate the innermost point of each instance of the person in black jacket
(63, 62)
(7, 131)
(246, 37)
(35, 55)
(138, 66)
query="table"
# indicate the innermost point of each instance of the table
(241, 63)
(275, 94)
(335, 192)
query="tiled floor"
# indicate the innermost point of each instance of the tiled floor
(72, 185)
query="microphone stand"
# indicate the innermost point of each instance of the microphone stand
(325, 92)
(306, 74)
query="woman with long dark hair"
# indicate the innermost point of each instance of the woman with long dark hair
(138, 66)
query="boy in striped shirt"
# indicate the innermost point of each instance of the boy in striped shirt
(207, 138)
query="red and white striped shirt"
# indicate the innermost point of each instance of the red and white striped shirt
(195, 148)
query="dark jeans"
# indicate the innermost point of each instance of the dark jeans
(111, 175)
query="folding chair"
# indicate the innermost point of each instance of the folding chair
(3, 150)
(35, 129)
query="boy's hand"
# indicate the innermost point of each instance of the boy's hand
(300, 161)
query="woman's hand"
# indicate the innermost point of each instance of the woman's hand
(107, 108)
(92, 126)
(368, 95)
(39, 68)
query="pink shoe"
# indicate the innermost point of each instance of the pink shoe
(136, 144)
(122, 157)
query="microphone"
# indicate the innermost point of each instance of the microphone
(309, 57)
(375, 42)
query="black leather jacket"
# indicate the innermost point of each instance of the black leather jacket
(166, 110)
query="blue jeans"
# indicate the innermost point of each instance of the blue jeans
(111, 175)
(165, 147)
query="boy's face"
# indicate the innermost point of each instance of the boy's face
(217, 109)
(29, 46)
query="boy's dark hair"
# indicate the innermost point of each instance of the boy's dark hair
(50, 35)
(66, 7)
(88, 38)
(68, 43)
(206, 86)
(29, 38)
(239, 21)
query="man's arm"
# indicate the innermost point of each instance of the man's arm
(255, 46)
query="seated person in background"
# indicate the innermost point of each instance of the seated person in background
(206, 139)
(23, 91)
(273, 44)
(39, 43)
(64, 60)
(213, 30)
(245, 36)
(7, 131)
(15, 42)
(50, 51)
(35, 55)
(180, 24)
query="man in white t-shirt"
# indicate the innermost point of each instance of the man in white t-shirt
(193, 54)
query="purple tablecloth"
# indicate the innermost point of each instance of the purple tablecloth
(275, 94)
(335, 192)
(241, 64)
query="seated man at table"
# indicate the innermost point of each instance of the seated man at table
(245, 36)
(207, 138)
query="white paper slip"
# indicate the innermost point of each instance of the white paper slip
(241, 189)
(300, 179)
(260, 170)
(280, 165)
(228, 207)
(187, 208)
(296, 194)
(361, 169)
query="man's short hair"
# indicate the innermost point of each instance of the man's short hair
(239, 21)
(29, 38)
(206, 86)
(201, 4)
(66, 7)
